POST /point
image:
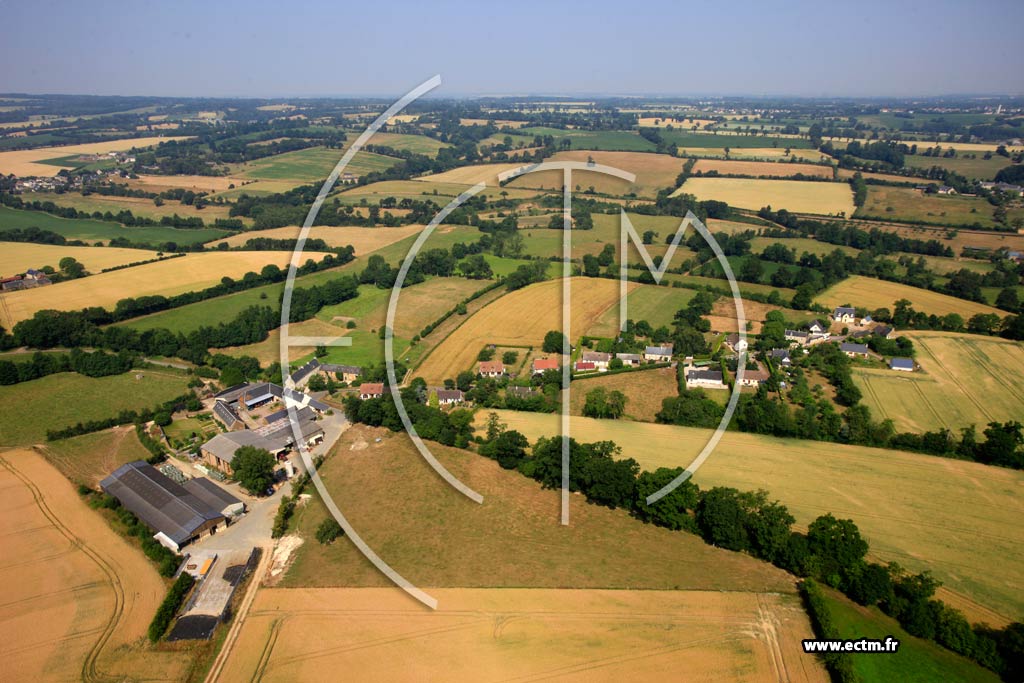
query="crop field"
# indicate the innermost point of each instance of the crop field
(439, 192)
(545, 242)
(520, 318)
(172, 276)
(655, 304)
(761, 168)
(419, 144)
(644, 391)
(84, 596)
(872, 294)
(364, 240)
(801, 244)
(978, 168)
(470, 175)
(696, 139)
(310, 165)
(87, 459)
(777, 154)
(196, 183)
(958, 519)
(140, 206)
(718, 225)
(954, 238)
(56, 401)
(571, 635)
(17, 257)
(653, 172)
(793, 195)
(723, 315)
(608, 140)
(904, 203)
(960, 375)
(101, 231)
(30, 162)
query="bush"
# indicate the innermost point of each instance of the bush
(839, 664)
(328, 531)
(169, 607)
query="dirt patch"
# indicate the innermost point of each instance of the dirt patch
(281, 559)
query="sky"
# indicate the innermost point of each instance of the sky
(280, 49)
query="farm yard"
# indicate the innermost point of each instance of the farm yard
(17, 257)
(572, 635)
(520, 318)
(922, 511)
(960, 374)
(793, 195)
(172, 276)
(873, 294)
(85, 595)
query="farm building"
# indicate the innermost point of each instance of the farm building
(450, 397)
(904, 364)
(658, 354)
(599, 359)
(753, 378)
(523, 392)
(711, 379)
(542, 365)
(735, 343)
(945, 189)
(781, 356)
(227, 415)
(844, 314)
(303, 373)
(370, 390)
(854, 350)
(215, 496)
(491, 368)
(884, 331)
(346, 373)
(585, 366)
(630, 359)
(177, 515)
(277, 437)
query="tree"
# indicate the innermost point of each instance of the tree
(328, 531)
(510, 357)
(1008, 300)
(317, 383)
(837, 545)
(722, 519)
(231, 375)
(671, 511)
(508, 448)
(254, 469)
(554, 342)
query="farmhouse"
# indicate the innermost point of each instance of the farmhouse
(884, 331)
(781, 356)
(277, 437)
(844, 314)
(370, 390)
(177, 515)
(854, 350)
(599, 359)
(753, 378)
(816, 327)
(735, 343)
(801, 337)
(945, 189)
(346, 373)
(542, 365)
(711, 379)
(491, 368)
(904, 364)
(450, 397)
(631, 359)
(658, 354)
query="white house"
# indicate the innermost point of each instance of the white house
(599, 359)
(658, 354)
(844, 314)
(710, 379)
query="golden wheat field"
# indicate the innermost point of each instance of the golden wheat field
(793, 195)
(520, 318)
(17, 257)
(196, 183)
(172, 276)
(363, 240)
(653, 172)
(470, 175)
(760, 168)
(480, 634)
(865, 292)
(25, 162)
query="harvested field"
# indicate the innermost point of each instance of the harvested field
(723, 315)
(960, 375)
(173, 276)
(958, 519)
(800, 244)
(761, 168)
(521, 634)
(17, 257)
(87, 459)
(872, 294)
(139, 206)
(653, 172)
(439, 192)
(717, 225)
(955, 239)
(27, 162)
(905, 203)
(470, 175)
(79, 596)
(364, 240)
(520, 318)
(794, 195)
(644, 391)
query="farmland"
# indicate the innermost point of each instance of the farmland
(872, 294)
(418, 144)
(310, 165)
(686, 139)
(761, 168)
(644, 391)
(139, 206)
(921, 511)
(172, 276)
(84, 595)
(31, 162)
(363, 240)
(777, 154)
(608, 140)
(978, 168)
(793, 195)
(90, 230)
(470, 175)
(903, 203)
(568, 634)
(17, 257)
(657, 305)
(520, 318)
(653, 172)
(960, 375)
(801, 245)
(437, 191)
(56, 401)
(87, 459)
(196, 183)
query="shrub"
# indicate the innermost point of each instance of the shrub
(169, 607)
(328, 531)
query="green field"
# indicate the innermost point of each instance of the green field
(916, 661)
(89, 458)
(93, 231)
(899, 203)
(311, 165)
(975, 169)
(418, 144)
(801, 244)
(657, 305)
(439, 193)
(61, 400)
(716, 283)
(609, 140)
(684, 139)
(958, 519)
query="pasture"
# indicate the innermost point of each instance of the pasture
(958, 519)
(17, 257)
(644, 391)
(139, 206)
(89, 230)
(721, 139)
(439, 192)
(363, 240)
(418, 144)
(872, 294)
(572, 635)
(723, 315)
(79, 596)
(520, 318)
(32, 162)
(655, 304)
(608, 140)
(172, 276)
(777, 154)
(653, 172)
(801, 245)
(545, 242)
(310, 165)
(57, 401)
(89, 458)
(960, 378)
(978, 168)
(793, 195)
(761, 168)
(904, 203)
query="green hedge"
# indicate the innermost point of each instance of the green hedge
(169, 607)
(839, 664)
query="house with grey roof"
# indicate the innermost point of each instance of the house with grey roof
(631, 359)
(450, 397)
(844, 314)
(658, 354)
(854, 350)
(711, 379)
(781, 357)
(904, 364)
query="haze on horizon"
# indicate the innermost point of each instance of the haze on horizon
(264, 49)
